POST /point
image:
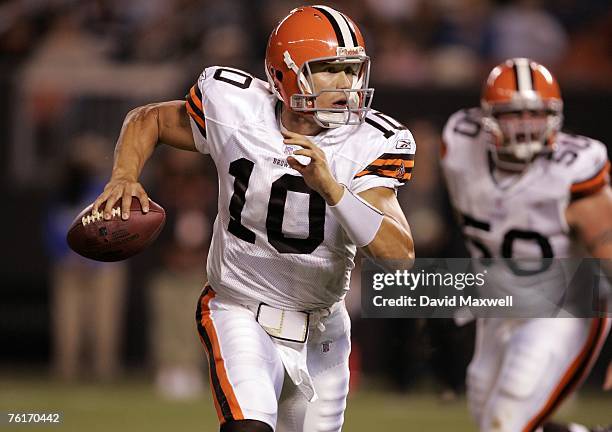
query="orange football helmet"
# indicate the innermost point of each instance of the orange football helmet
(312, 34)
(523, 109)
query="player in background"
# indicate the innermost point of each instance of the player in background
(524, 189)
(607, 385)
(308, 173)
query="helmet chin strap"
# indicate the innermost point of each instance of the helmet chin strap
(291, 65)
(330, 119)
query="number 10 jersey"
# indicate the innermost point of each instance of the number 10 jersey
(274, 239)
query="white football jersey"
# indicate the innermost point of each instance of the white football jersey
(274, 239)
(526, 217)
(521, 215)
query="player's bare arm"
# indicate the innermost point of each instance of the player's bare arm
(143, 129)
(591, 218)
(607, 385)
(393, 239)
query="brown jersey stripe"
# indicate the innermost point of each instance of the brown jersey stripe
(389, 162)
(590, 186)
(226, 402)
(195, 103)
(398, 162)
(194, 115)
(389, 174)
(389, 168)
(381, 168)
(195, 109)
(403, 156)
(196, 97)
(387, 165)
(578, 369)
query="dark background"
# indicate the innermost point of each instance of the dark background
(74, 68)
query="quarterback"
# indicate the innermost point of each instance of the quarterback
(308, 173)
(524, 189)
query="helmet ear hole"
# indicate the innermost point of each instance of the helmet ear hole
(279, 75)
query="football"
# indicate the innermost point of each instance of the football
(116, 239)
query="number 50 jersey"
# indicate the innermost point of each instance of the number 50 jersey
(526, 218)
(274, 239)
(522, 217)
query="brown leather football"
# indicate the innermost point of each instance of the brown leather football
(116, 239)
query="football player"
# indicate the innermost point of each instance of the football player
(307, 174)
(524, 189)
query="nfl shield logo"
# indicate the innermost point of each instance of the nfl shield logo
(325, 346)
(399, 173)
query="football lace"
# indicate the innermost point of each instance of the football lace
(98, 216)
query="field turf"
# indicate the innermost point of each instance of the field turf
(132, 405)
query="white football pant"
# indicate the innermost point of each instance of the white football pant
(523, 369)
(247, 376)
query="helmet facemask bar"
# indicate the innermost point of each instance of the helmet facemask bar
(358, 97)
(519, 140)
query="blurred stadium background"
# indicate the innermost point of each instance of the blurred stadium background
(114, 347)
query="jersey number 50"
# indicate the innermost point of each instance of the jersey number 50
(507, 245)
(241, 170)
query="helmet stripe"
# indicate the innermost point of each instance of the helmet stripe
(353, 35)
(523, 76)
(339, 24)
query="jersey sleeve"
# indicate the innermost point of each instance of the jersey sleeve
(591, 168)
(220, 103)
(461, 129)
(392, 167)
(195, 109)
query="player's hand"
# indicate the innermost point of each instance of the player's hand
(124, 190)
(317, 174)
(607, 385)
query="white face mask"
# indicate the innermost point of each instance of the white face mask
(359, 96)
(334, 119)
(521, 137)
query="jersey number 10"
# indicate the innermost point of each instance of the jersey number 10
(241, 170)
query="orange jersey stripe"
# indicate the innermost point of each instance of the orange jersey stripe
(220, 415)
(209, 328)
(379, 162)
(199, 120)
(389, 173)
(577, 370)
(195, 98)
(385, 173)
(594, 183)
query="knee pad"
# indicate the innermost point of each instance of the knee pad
(326, 414)
(523, 371)
(479, 381)
(524, 375)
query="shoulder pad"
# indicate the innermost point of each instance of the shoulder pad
(389, 161)
(232, 96)
(585, 162)
(463, 126)
(461, 132)
(396, 135)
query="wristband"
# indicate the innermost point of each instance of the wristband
(359, 219)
